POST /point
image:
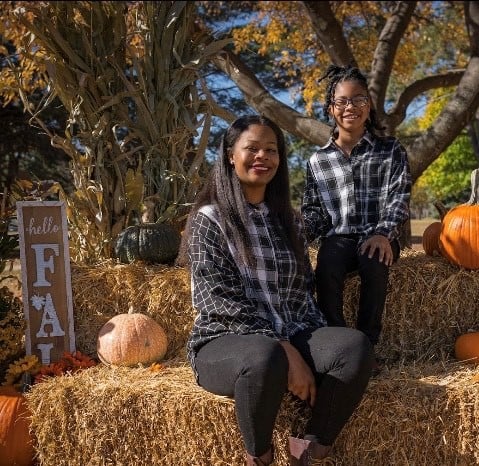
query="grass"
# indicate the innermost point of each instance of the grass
(418, 226)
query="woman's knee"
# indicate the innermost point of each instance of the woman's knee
(351, 347)
(265, 355)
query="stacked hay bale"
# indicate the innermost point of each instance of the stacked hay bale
(424, 408)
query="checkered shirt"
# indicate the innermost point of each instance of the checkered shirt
(366, 193)
(272, 298)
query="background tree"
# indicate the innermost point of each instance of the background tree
(26, 150)
(448, 178)
(406, 48)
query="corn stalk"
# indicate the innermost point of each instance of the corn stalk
(126, 72)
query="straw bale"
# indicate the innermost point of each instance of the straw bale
(107, 289)
(429, 303)
(423, 414)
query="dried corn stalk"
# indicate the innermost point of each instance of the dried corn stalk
(126, 72)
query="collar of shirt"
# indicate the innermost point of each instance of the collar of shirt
(367, 137)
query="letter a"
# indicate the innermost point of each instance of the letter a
(50, 318)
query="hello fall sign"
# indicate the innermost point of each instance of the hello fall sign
(46, 279)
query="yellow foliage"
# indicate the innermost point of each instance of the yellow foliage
(284, 28)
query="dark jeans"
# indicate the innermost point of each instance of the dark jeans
(338, 256)
(253, 369)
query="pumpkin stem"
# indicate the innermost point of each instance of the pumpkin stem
(441, 208)
(474, 187)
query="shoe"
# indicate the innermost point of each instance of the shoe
(264, 460)
(307, 453)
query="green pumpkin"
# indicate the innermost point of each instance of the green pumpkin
(155, 243)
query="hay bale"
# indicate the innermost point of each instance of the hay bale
(107, 289)
(423, 414)
(429, 303)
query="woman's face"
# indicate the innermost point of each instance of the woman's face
(255, 158)
(350, 115)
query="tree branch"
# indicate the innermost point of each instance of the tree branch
(385, 52)
(457, 113)
(398, 112)
(471, 13)
(330, 33)
(263, 102)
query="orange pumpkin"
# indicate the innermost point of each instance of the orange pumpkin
(16, 447)
(466, 347)
(131, 339)
(459, 238)
(430, 236)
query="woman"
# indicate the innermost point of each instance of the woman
(258, 332)
(356, 199)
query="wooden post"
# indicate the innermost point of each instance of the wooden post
(46, 279)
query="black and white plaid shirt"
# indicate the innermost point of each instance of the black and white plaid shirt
(273, 298)
(366, 193)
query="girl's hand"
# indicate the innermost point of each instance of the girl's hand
(300, 377)
(382, 245)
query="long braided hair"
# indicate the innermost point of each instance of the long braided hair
(338, 74)
(224, 190)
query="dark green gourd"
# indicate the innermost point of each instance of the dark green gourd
(155, 243)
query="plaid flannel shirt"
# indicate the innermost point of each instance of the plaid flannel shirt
(272, 298)
(366, 193)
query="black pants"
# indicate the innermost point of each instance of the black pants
(338, 256)
(253, 369)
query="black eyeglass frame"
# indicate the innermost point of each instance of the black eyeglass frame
(361, 101)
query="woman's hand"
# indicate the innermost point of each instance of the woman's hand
(300, 377)
(382, 245)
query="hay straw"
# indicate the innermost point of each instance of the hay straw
(417, 415)
(429, 303)
(105, 290)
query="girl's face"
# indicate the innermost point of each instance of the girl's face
(350, 107)
(255, 158)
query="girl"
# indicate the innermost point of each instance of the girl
(356, 199)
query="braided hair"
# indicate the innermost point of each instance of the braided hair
(338, 74)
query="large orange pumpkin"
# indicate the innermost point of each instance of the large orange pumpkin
(466, 347)
(131, 339)
(16, 447)
(459, 239)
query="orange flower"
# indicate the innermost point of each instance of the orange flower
(69, 363)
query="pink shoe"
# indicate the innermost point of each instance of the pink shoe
(307, 453)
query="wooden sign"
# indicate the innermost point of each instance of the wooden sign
(46, 279)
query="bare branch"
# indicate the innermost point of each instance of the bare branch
(385, 52)
(260, 99)
(457, 113)
(398, 112)
(471, 11)
(330, 33)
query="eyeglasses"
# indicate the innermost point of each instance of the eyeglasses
(342, 102)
